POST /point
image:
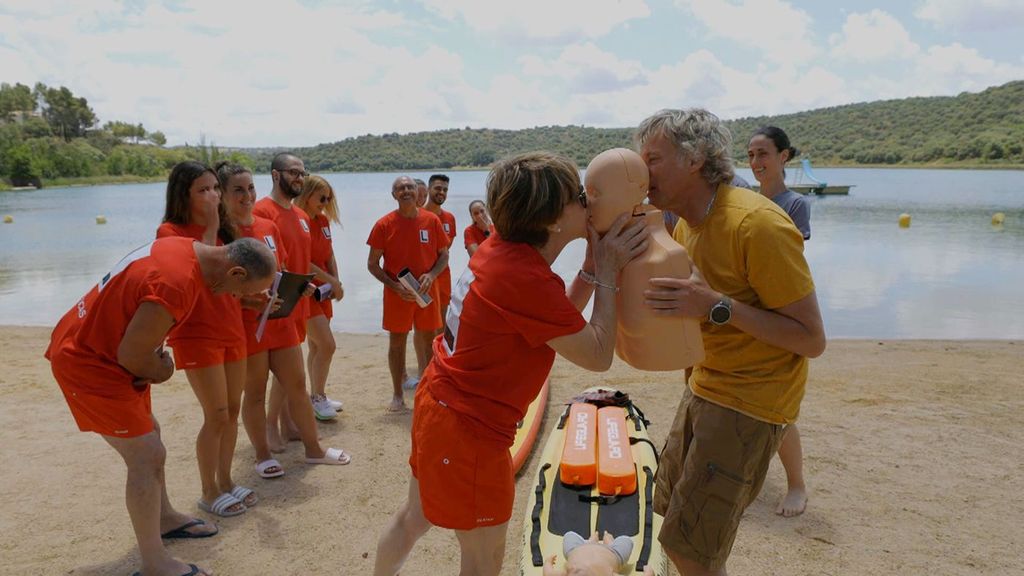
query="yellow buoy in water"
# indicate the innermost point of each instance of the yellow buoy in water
(904, 220)
(101, 219)
(997, 218)
(8, 219)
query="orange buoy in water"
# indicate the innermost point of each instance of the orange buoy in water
(101, 219)
(904, 220)
(997, 218)
(8, 219)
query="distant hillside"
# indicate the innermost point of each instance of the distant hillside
(986, 128)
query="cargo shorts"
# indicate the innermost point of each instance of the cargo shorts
(712, 467)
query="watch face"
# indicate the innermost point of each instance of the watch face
(720, 313)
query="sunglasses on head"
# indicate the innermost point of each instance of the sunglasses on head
(582, 196)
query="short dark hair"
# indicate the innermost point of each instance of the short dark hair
(280, 159)
(441, 177)
(527, 193)
(254, 256)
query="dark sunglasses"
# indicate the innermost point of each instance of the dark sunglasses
(582, 196)
(325, 199)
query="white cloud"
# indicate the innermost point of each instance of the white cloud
(562, 21)
(972, 15)
(586, 68)
(956, 68)
(781, 32)
(303, 74)
(871, 37)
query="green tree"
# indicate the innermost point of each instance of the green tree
(70, 117)
(22, 166)
(157, 138)
(17, 98)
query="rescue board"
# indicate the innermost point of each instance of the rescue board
(571, 499)
(526, 433)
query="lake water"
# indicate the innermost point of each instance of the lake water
(951, 275)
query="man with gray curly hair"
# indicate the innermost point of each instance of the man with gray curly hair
(752, 289)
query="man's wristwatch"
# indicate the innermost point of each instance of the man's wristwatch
(721, 312)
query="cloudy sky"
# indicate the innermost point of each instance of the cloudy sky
(302, 72)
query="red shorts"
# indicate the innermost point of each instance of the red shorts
(321, 308)
(444, 288)
(121, 411)
(194, 353)
(466, 482)
(279, 333)
(401, 315)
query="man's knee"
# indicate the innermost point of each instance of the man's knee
(143, 453)
(396, 341)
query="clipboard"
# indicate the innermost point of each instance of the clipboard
(289, 287)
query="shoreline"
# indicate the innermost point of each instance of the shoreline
(118, 180)
(901, 441)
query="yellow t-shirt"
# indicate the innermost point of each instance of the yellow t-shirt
(749, 249)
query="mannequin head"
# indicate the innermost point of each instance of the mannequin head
(616, 181)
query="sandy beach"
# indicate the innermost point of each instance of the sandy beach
(914, 455)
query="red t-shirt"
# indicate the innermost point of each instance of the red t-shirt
(450, 232)
(474, 235)
(494, 358)
(412, 243)
(215, 317)
(265, 231)
(165, 272)
(293, 224)
(321, 247)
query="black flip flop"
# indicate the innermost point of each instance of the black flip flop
(182, 531)
(193, 572)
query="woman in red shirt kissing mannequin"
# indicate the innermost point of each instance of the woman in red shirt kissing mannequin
(510, 314)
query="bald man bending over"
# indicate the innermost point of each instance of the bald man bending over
(108, 349)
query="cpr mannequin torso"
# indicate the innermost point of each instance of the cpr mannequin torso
(616, 183)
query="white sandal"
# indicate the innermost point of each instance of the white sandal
(245, 495)
(267, 464)
(332, 456)
(221, 506)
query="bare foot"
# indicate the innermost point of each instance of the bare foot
(277, 444)
(178, 525)
(398, 406)
(793, 504)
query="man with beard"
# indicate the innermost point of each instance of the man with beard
(437, 193)
(413, 239)
(290, 414)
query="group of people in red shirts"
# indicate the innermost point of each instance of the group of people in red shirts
(203, 286)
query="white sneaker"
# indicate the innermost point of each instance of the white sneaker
(411, 383)
(322, 409)
(336, 404)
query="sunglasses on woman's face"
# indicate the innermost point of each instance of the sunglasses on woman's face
(582, 196)
(325, 199)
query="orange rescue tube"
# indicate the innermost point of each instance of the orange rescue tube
(616, 474)
(579, 451)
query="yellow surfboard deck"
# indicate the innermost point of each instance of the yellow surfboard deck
(554, 508)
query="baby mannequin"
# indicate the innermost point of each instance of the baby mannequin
(593, 557)
(617, 182)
